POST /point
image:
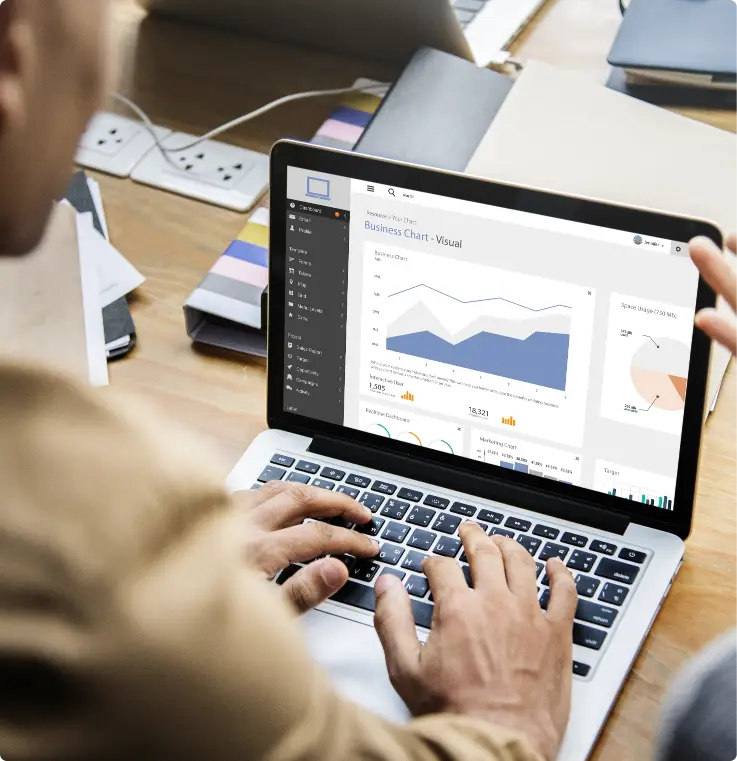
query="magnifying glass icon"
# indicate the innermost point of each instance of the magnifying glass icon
(391, 192)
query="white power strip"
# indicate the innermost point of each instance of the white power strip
(214, 172)
(221, 174)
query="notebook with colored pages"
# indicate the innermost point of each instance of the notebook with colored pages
(228, 308)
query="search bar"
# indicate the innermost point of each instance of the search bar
(512, 216)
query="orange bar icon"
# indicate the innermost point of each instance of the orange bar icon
(509, 421)
(408, 397)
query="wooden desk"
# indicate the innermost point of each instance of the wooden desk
(195, 80)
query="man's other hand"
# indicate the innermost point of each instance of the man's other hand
(277, 535)
(492, 653)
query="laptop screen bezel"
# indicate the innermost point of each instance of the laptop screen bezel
(463, 187)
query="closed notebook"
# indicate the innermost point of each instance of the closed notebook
(560, 131)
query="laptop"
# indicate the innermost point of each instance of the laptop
(656, 43)
(383, 29)
(444, 348)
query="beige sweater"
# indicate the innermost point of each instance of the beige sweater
(130, 626)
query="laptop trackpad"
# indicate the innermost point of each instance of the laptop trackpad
(351, 653)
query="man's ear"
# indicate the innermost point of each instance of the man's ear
(14, 44)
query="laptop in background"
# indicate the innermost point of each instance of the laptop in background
(679, 43)
(384, 29)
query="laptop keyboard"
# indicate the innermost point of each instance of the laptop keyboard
(413, 523)
(467, 10)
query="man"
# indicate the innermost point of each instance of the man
(136, 621)
(135, 617)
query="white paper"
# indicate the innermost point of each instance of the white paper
(117, 276)
(94, 328)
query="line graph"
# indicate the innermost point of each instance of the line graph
(496, 335)
(478, 301)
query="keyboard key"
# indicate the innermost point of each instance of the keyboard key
(417, 586)
(577, 540)
(581, 669)
(502, 532)
(287, 574)
(604, 547)
(282, 459)
(333, 474)
(538, 569)
(581, 561)
(383, 487)
(396, 532)
(483, 526)
(364, 570)
(271, 473)
(422, 612)
(357, 595)
(490, 516)
(593, 613)
(588, 637)
(421, 516)
(323, 484)
(530, 543)
(464, 17)
(551, 550)
(547, 532)
(361, 481)
(307, 467)
(446, 523)
(634, 556)
(349, 490)
(467, 573)
(422, 540)
(439, 502)
(518, 524)
(394, 572)
(411, 494)
(447, 546)
(616, 571)
(395, 509)
(390, 553)
(613, 594)
(299, 478)
(462, 509)
(414, 561)
(372, 501)
(545, 581)
(545, 599)
(371, 528)
(586, 586)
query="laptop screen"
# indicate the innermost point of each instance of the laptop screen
(556, 349)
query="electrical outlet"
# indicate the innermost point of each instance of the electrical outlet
(115, 144)
(215, 172)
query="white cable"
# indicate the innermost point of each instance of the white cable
(149, 126)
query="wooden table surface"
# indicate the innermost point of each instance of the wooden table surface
(194, 79)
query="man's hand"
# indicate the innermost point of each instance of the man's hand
(277, 536)
(492, 652)
(718, 273)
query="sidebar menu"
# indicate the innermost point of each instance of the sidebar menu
(315, 301)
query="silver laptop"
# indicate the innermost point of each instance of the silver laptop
(385, 29)
(444, 348)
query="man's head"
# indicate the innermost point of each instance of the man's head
(52, 74)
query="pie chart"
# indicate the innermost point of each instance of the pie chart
(659, 372)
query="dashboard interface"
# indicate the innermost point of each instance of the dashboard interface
(548, 347)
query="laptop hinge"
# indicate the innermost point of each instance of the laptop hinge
(576, 511)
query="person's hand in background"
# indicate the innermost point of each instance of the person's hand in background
(492, 653)
(721, 276)
(277, 536)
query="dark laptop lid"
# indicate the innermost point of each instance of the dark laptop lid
(692, 36)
